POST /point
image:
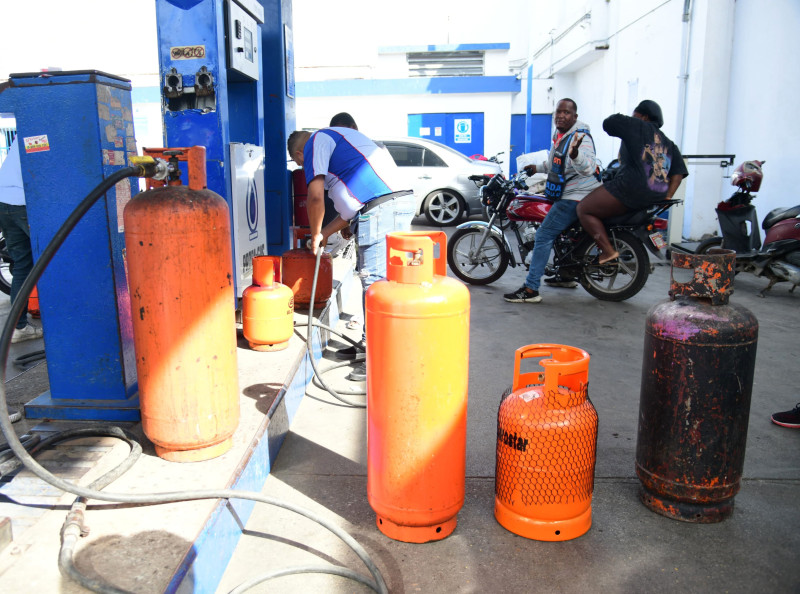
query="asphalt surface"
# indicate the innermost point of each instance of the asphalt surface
(629, 548)
(322, 465)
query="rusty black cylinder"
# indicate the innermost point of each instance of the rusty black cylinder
(697, 379)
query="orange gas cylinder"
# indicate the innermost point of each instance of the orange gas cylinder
(33, 304)
(178, 248)
(298, 272)
(267, 307)
(300, 191)
(417, 376)
(546, 446)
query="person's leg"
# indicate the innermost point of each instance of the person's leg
(600, 204)
(394, 215)
(561, 215)
(14, 223)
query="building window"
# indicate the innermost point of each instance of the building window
(459, 63)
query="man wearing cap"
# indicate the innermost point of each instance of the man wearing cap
(651, 169)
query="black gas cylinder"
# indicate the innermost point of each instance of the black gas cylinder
(697, 379)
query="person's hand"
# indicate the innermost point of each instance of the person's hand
(316, 242)
(346, 233)
(574, 145)
(530, 169)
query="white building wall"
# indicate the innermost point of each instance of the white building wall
(762, 121)
(388, 116)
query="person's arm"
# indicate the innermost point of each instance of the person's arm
(315, 205)
(674, 182)
(582, 155)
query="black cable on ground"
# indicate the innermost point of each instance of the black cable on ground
(379, 585)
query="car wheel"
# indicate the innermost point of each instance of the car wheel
(443, 207)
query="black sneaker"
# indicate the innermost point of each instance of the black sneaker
(557, 281)
(523, 295)
(351, 352)
(789, 418)
(359, 373)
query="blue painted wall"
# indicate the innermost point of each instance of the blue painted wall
(540, 138)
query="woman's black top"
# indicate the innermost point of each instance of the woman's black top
(647, 160)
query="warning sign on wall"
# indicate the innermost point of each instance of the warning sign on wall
(463, 131)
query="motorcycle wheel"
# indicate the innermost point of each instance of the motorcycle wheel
(483, 267)
(5, 267)
(707, 244)
(618, 280)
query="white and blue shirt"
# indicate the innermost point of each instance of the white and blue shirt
(356, 170)
(11, 191)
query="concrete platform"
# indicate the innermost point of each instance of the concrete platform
(210, 547)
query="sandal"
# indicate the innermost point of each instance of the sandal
(606, 259)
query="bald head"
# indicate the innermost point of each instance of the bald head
(295, 144)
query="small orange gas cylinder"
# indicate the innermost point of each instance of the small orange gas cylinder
(417, 323)
(180, 272)
(267, 307)
(546, 446)
(298, 271)
(33, 304)
(300, 191)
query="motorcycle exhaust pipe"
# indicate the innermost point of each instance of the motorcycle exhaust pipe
(786, 271)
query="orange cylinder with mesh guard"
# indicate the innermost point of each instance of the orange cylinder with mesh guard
(417, 322)
(267, 307)
(298, 272)
(178, 249)
(546, 447)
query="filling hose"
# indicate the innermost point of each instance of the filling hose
(310, 346)
(73, 527)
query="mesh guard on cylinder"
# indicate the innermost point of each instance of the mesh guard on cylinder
(546, 451)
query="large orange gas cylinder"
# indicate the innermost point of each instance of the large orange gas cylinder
(546, 447)
(298, 272)
(178, 248)
(417, 323)
(267, 307)
(300, 191)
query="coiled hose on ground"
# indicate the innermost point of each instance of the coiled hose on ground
(73, 526)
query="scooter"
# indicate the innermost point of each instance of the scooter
(779, 258)
(479, 252)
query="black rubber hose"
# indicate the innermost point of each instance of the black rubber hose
(31, 464)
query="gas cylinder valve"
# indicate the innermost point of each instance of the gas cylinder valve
(150, 167)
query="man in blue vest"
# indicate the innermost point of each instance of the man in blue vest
(571, 167)
(364, 185)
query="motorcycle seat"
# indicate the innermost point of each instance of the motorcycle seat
(639, 217)
(779, 214)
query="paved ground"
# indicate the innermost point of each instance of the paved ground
(629, 548)
(322, 465)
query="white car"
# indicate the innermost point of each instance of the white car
(439, 176)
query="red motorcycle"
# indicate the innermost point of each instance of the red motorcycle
(479, 252)
(779, 258)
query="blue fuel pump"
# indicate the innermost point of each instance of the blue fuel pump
(212, 60)
(75, 129)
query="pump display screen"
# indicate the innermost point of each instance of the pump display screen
(248, 45)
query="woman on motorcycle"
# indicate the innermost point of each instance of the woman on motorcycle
(651, 169)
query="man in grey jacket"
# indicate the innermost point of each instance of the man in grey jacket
(573, 154)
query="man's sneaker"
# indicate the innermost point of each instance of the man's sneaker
(789, 418)
(359, 373)
(557, 281)
(29, 332)
(351, 351)
(523, 295)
